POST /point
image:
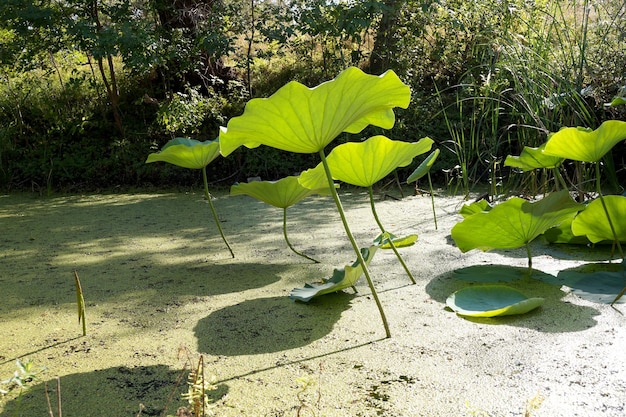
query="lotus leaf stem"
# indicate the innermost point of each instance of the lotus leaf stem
(342, 214)
(382, 229)
(432, 199)
(606, 211)
(289, 243)
(215, 217)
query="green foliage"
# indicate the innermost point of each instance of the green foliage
(23, 378)
(186, 112)
(87, 91)
(514, 223)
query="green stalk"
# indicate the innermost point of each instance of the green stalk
(432, 199)
(382, 229)
(608, 217)
(333, 191)
(215, 217)
(287, 239)
(606, 211)
(530, 258)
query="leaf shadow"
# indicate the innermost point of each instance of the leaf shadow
(110, 392)
(267, 325)
(554, 316)
(596, 282)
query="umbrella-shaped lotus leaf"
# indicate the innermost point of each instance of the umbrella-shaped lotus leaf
(514, 223)
(365, 163)
(282, 193)
(304, 120)
(424, 167)
(593, 223)
(586, 145)
(341, 279)
(491, 301)
(187, 153)
(533, 158)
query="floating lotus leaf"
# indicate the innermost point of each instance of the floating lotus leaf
(187, 153)
(533, 158)
(424, 167)
(282, 193)
(491, 301)
(341, 279)
(304, 120)
(365, 163)
(514, 223)
(593, 223)
(586, 145)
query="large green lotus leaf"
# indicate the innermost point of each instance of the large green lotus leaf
(304, 120)
(365, 163)
(341, 279)
(514, 223)
(586, 145)
(491, 301)
(476, 207)
(533, 158)
(282, 193)
(498, 273)
(424, 167)
(593, 223)
(187, 153)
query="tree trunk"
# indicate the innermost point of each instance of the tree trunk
(111, 87)
(385, 48)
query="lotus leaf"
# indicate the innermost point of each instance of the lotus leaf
(187, 153)
(382, 241)
(491, 301)
(304, 120)
(533, 158)
(586, 145)
(424, 167)
(593, 222)
(365, 163)
(340, 280)
(476, 207)
(514, 223)
(562, 233)
(282, 193)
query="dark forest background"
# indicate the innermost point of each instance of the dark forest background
(90, 87)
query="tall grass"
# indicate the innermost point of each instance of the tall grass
(533, 79)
